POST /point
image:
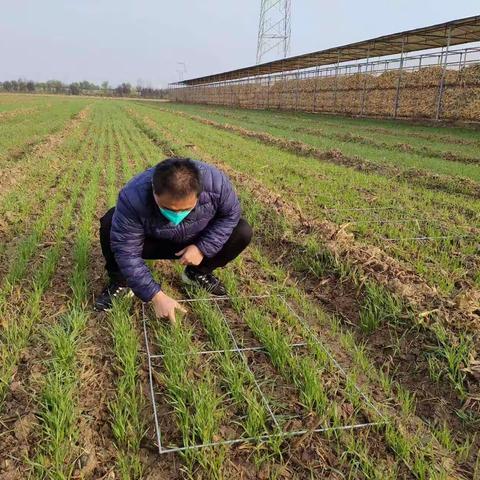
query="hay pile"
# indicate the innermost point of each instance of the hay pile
(356, 94)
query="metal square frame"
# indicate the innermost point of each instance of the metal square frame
(241, 352)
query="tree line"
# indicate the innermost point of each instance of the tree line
(81, 88)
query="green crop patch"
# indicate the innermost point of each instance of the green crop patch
(347, 343)
(254, 409)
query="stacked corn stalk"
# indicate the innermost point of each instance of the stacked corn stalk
(381, 92)
(351, 94)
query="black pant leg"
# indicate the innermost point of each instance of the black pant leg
(154, 249)
(157, 249)
(110, 263)
(237, 242)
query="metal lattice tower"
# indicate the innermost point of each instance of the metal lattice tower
(274, 28)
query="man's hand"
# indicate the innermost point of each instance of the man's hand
(165, 306)
(190, 255)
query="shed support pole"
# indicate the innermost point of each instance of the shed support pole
(399, 82)
(315, 80)
(441, 88)
(364, 96)
(337, 68)
(268, 89)
(297, 89)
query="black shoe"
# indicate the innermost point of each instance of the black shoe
(207, 281)
(105, 299)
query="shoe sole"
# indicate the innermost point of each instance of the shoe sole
(187, 281)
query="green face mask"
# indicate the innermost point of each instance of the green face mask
(174, 217)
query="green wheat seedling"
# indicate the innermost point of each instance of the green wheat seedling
(59, 413)
(29, 244)
(240, 382)
(196, 402)
(288, 172)
(15, 337)
(111, 174)
(122, 151)
(301, 370)
(145, 153)
(378, 307)
(22, 133)
(58, 408)
(394, 137)
(408, 199)
(450, 358)
(18, 206)
(127, 424)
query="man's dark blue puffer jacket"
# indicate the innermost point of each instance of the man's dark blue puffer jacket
(208, 225)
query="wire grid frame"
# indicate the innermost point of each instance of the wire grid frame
(241, 352)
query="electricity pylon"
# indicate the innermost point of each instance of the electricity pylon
(274, 28)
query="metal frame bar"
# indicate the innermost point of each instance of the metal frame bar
(268, 436)
(244, 349)
(285, 434)
(150, 378)
(440, 237)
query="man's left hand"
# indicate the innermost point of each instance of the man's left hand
(190, 255)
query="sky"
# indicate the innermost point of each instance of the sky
(143, 40)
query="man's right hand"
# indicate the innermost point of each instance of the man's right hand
(165, 306)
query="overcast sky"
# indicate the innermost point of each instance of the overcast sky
(119, 40)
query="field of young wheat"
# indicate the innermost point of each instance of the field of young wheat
(347, 347)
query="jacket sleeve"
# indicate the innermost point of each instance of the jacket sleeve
(220, 228)
(127, 239)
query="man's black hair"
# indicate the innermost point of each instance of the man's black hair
(177, 177)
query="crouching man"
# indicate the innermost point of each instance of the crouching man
(181, 209)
